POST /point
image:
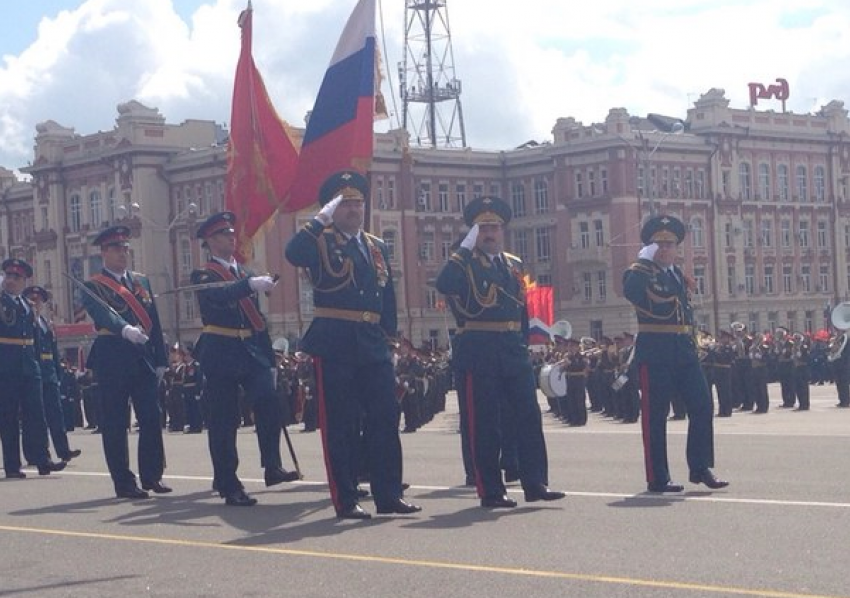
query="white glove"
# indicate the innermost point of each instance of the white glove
(261, 284)
(160, 373)
(326, 214)
(470, 238)
(648, 251)
(134, 334)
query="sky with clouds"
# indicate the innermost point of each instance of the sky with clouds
(523, 64)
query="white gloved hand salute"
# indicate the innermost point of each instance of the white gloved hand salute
(261, 284)
(647, 252)
(470, 238)
(326, 214)
(134, 334)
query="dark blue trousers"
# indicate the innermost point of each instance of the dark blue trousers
(22, 395)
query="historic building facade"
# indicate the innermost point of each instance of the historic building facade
(764, 195)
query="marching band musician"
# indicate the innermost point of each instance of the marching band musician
(192, 385)
(486, 286)
(802, 372)
(724, 356)
(355, 316)
(758, 374)
(21, 408)
(128, 359)
(783, 348)
(840, 363)
(741, 367)
(235, 351)
(576, 368)
(628, 396)
(666, 356)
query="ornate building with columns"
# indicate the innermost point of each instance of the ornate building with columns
(764, 195)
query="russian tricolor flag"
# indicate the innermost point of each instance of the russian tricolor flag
(339, 134)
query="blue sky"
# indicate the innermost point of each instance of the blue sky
(561, 59)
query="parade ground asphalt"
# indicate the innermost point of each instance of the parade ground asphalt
(781, 529)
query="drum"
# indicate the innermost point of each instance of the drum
(553, 382)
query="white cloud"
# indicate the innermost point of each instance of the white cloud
(523, 65)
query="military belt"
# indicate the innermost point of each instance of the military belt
(493, 326)
(47, 356)
(21, 342)
(104, 332)
(240, 333)
(574, 374)
(665, 328)
(721, 365)
(349, 315)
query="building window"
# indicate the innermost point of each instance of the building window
(424, 201)
(641, 182)
(823, 278)
(95, 209)
(728, 232)
(802, 184)
(579, 185)
(591, 182)
(847, 290)
(767, 233)
(689, 184)
(750, 279)
(389, 239)
(391, 193)
(45, 218)
(787, 279)
(731, 282)
(724, 183)
(426, 250)
(772, 320)
(820, 184)
(113, 204)
(430, 298)
(584, 235)
(518, 199)
(701, 190)
(699, 280)
(782, 182)
(478, 191)
(600, 233)
(601, 285)
(520, 245)
(544, 249)
(460, 194)
(587, 279)
(541, 197)
(744, 174)
(768, 279)
(809, 321)
(786, 233)
(764, 182)
(823, 238)
(806, 278)
(381, 201)
(676, 191)
(185, 257)
(76, 215)
(748, 233)
(603, 180)
(446, 250)
(754, 318)
(804, 233)
(496, 189)
(188, 305)
(443, 197)
(697, 234)
(544, 280)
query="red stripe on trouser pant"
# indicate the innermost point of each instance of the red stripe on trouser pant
(323, 430)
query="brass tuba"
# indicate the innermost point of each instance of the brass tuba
(840, 318)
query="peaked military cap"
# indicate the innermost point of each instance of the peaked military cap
(37, 290)
(341, 181)
(662, 228)
(221, 221)
(17, 266)
(114, 235)
(487, 210)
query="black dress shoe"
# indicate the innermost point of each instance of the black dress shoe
(354, 512)
(15, 475)
(278, 475)
(498, 502)
(541, 492)
(133, 492)
(72, 455)
(398, 506)
(46, 468)
(239, 498)
(664, 487)
(157, 487)
(708, 478)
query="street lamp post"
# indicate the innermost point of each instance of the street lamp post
(644, 156)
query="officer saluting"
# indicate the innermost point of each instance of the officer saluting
(20, 377)
(666, 356)
(235, 350)
(354, 317)
(485, 285)
(127, 358)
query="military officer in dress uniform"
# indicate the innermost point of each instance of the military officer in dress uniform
(354, 319)
(128, 359)
(486, 286)
(235, 350)
(666, 356)
(50, 376)
(20, 377)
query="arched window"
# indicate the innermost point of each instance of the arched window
(745, 180)
(75, 216)
(764, 182)
(95, 209)
(820, 184)
(802, 187)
